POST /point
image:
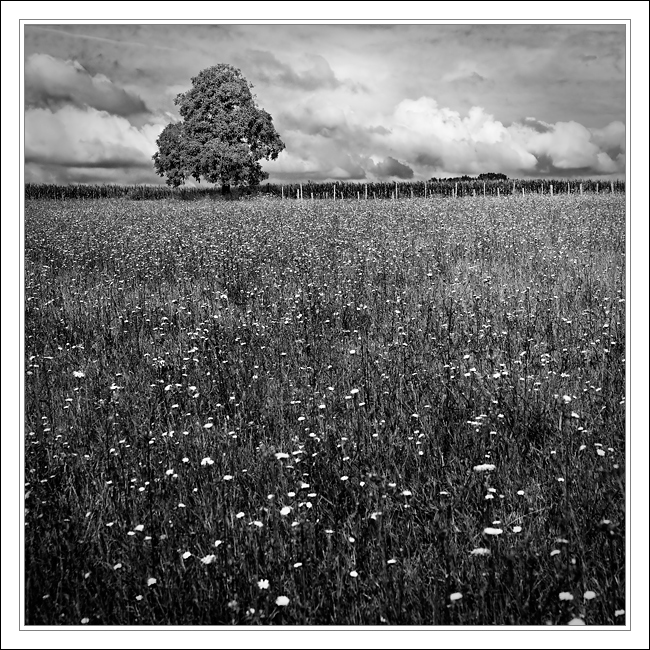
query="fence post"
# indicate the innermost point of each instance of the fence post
(396, 190)
(498, 193)
(456, 190)
(568, 187)
(612, 186)
(523, 192)
(483, 188)
(335, 192)
(580, 188)
(282, 188)
(366, 191)
(596, 188)
(551, 189)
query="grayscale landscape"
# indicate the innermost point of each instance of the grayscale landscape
(325, 325)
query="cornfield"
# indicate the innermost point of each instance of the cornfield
(339, 190)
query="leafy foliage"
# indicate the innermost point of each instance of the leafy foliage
(223, 135)
(492, 176)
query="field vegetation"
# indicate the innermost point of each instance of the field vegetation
(311, 413)
(462, 186)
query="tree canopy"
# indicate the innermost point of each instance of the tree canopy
(222, 136)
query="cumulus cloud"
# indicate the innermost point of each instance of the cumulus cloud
(337, 93)
(611, 139)
(420, 138)
(76, 123)
(325, 119)
(86, 138)
(571, 147)
(300, 161)
(442, 139)
(52, 83)
(427, 133)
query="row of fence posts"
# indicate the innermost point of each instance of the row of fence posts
(395, 195)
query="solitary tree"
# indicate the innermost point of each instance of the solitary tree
(222, 136)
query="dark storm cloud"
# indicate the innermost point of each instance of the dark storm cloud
(429, 159)
(540, 127)
(51, 83)
(391, 167)
(117, 161)
(49, 173)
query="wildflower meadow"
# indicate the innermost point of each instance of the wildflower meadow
(319, 412)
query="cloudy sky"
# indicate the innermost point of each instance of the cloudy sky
(355, 102)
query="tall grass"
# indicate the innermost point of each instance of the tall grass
(406, 412)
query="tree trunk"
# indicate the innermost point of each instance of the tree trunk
(225, 189)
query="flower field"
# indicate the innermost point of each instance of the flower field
(316, 412)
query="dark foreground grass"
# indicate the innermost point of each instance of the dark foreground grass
(403, 412)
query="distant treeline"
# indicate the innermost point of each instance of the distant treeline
(463, 186)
